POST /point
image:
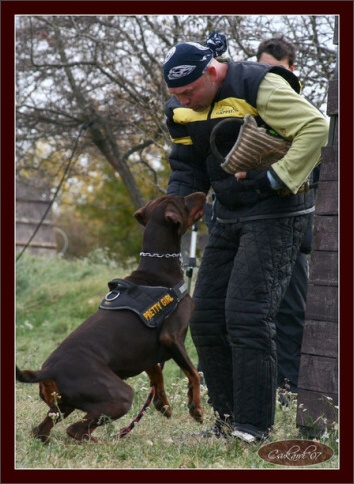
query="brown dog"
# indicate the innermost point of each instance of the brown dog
(86, 371)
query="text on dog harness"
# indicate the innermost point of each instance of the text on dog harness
(152, 304)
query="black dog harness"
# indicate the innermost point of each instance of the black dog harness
(152, 304)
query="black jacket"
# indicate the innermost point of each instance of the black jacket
(195, 168)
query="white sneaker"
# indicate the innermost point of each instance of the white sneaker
(244, 436)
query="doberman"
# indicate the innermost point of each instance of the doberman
(86, 371)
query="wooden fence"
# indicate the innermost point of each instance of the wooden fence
(318, 378)
(32, 201)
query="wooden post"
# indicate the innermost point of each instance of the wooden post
(318, 378)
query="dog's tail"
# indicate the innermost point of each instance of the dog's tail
(29, 376)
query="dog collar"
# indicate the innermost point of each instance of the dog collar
(148, 254)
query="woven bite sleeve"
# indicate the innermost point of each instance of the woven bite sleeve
(255, 148)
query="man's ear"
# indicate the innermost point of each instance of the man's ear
(212, 72)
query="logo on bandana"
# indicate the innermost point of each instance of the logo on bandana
(173, 50)
(170, 54)
(180, 71)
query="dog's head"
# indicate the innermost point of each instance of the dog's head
(181, 211)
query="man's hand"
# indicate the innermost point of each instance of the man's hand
(256, 180)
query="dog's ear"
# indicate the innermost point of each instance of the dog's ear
(174, 215)
(140, 215)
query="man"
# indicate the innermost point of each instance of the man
(290, 320)
(252, 247)
(277, 51)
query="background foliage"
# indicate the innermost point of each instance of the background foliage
(106, 71)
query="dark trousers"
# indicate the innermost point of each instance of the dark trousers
(290, 322)
(245, 270)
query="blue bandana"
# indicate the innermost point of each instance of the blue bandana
(187, 61)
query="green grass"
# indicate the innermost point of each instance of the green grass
(53, 297)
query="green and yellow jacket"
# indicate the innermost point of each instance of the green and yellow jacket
(271, 95)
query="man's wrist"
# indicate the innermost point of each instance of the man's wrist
(273, 182)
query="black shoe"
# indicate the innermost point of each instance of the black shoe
(217, 431)
(227, 433)
(214, 432)
(286, 398)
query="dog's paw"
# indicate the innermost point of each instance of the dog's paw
(196, 413)
(166, 412)
(163, 408)
(39, 434)
(79, 432)
(198, 417)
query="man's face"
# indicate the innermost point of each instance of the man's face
(272, 61)
(197, 95)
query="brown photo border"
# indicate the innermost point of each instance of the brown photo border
(9, 9)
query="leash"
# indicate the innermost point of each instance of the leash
(125, 431)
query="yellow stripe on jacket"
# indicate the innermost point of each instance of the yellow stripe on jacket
(226, 108)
